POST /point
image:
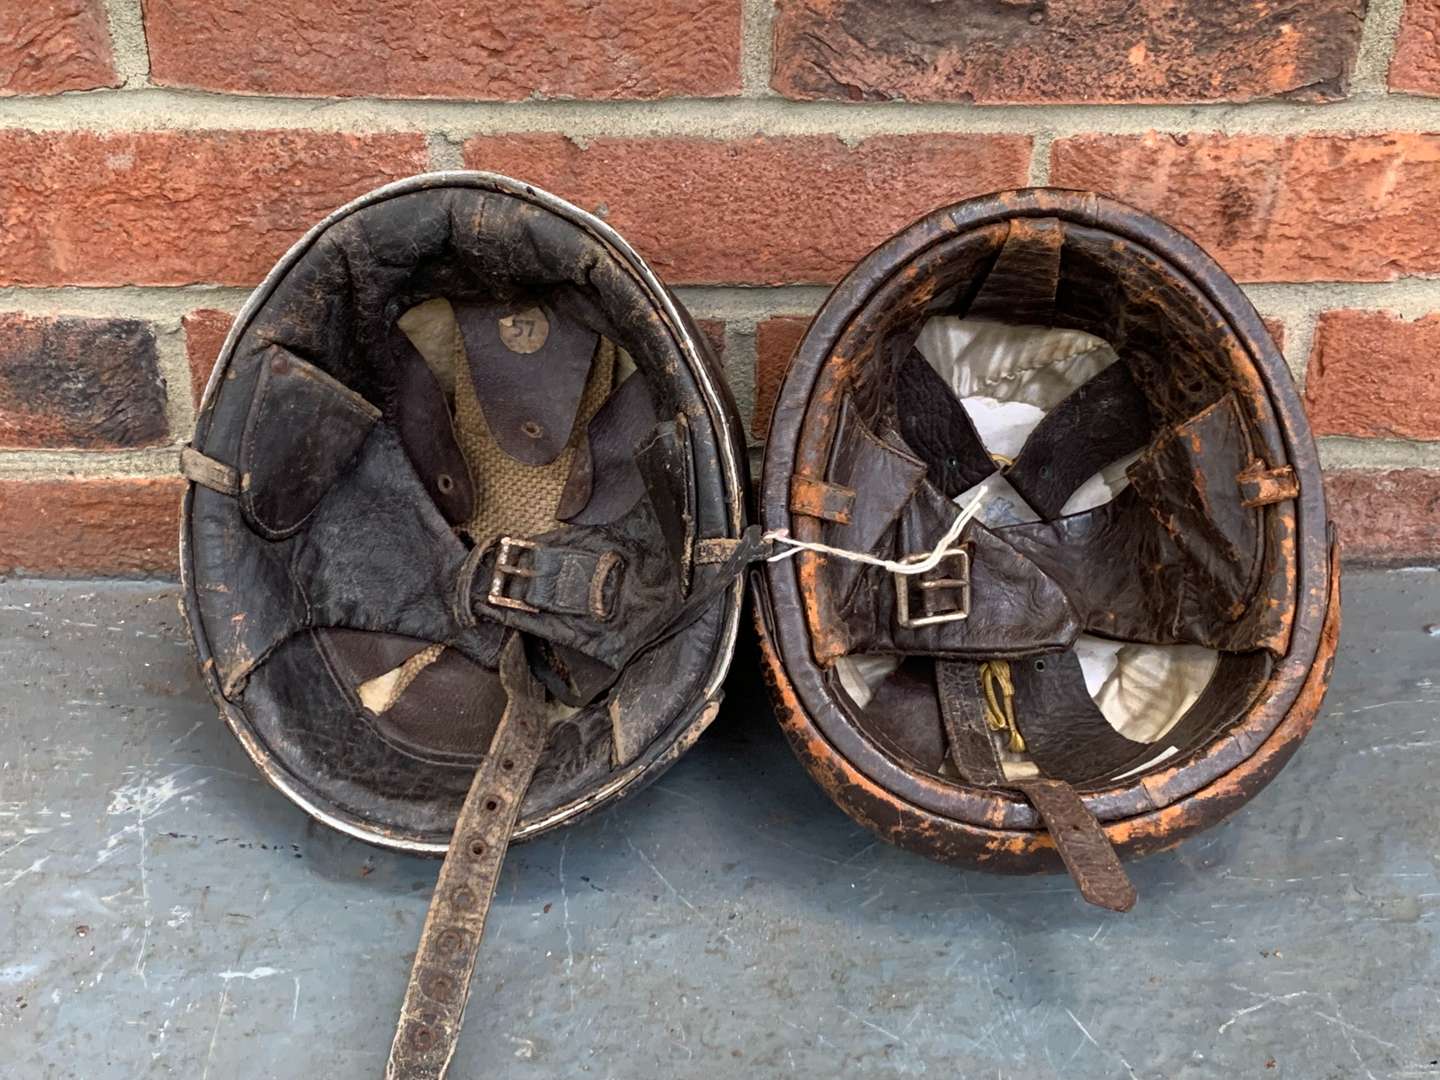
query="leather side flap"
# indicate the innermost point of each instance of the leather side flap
(304, 430)
(667, 469)
(423, 417)
(1188, 479)
(605, 481)
(529, 365)
(883, 476)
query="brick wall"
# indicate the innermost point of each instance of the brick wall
(156, 156)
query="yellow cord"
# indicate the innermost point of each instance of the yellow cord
(1000, 706)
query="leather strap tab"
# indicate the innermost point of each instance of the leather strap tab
(962, 707)
(821, 499)
(450, 941)
(1082, 843)
(209, 473)
(1261, 485)
(1020, 288)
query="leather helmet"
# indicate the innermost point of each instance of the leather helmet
(1055, 579)
(461, 552)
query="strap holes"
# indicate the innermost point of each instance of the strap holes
(491, 805)
(1039, 665)
(507, 764)
(477, 847)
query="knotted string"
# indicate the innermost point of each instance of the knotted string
(940, 551)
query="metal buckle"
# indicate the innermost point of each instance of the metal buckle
(927, 589)
(505, 568)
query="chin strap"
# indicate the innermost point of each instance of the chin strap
(439, 985)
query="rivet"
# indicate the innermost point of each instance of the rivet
(451, 940)
(532, 429)
(445, 483)
(422, 1037)
(280, 363)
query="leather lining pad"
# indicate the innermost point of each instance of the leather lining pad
(304, 429)
(530, 399)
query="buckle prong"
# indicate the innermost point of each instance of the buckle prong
(506, 567)
(928, 587)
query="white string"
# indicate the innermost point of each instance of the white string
(932, 559)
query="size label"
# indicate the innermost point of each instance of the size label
(524, 331)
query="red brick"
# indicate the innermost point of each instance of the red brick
(775, 340)
(430, 48)
(49, 46)
(760, 210)
(1416, 64)
(714, 331)
(173, 208)
(1298, 208)
(1372, 373)
(1066, 50)
(88, 384)
(1386, 518)
(205, 332)
(106, 527)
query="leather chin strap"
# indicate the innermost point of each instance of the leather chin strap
(439, 986)
(1082, 843)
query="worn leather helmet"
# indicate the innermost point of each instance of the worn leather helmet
(1056, 578)
(462, 548)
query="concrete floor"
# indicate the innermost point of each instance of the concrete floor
(164, 913)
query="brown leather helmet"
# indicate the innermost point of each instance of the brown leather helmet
(462, 550)
(1129, 628)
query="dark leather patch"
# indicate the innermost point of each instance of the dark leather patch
(1173, 558)
(903, 714)
(447, 715)
(1065, 732)
(935, 425)
(1098, 423)
(424, 420)
(1020, 288)
(605, 481)
(530, 398)
(304, 430)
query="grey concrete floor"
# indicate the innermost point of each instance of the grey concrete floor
(165, 913)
